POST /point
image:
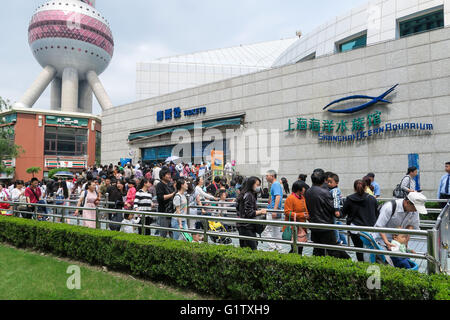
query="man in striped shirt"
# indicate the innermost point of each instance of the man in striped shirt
(143, 202)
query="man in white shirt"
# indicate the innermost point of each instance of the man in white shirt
(406, 214)
(155, 174)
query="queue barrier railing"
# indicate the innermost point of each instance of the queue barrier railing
(432, 256)
(441, 242)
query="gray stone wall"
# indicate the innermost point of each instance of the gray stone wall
(419, 64)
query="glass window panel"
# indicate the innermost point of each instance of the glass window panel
(66, 137)
(50, 136)
(423, 23)
(353, 44)
(70, 131)
(81, 132)
(66, 147)
(50, 129)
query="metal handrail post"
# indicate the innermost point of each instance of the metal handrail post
(143, 224)
(433, 251)
(295, 239)
(205, 231)
(35, 213)
(63, 211)
(97, 223)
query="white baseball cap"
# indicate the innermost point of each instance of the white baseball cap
(418, 199)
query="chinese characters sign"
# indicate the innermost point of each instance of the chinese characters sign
(330, 126)
(64, 121)
(177, 113)
(352, 130)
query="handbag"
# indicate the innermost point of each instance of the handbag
(287, 233)
(398, 192)
(302, 235)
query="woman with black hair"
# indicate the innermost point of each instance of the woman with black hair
(90, 200)
(360, 209)
(295, 210)
(408, 183)
(143, 202)
(61, 195)
(247, 208)
(117, 195)
(286, 189)
(131, 195)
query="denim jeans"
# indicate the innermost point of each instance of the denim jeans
(340, 236)
(175, 224)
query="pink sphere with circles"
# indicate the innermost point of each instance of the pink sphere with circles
(71, 34)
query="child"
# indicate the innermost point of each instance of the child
(400, 244)
(333, 183)
(130, 222)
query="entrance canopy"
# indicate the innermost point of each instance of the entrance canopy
(233, 121)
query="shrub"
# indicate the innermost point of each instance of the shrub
(222, 271)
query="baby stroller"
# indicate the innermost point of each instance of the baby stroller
(187, 237)
(370, 243)
(218, 227)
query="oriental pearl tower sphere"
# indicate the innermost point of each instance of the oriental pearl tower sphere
(73, 42)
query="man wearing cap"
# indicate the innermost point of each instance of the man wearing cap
(444, 186)
(406, 214)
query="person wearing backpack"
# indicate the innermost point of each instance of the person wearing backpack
(247, 208)
(89, 199)
(400, 214)
(164, 194)
(361, 209)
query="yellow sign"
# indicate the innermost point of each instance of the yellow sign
(217, 160)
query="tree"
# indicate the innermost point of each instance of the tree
(5, 105)
(33, 170)
(8, 150)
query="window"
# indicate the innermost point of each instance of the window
(427, 22)
(353, 44)
(98, 145)
(311, 56)
(69, 142)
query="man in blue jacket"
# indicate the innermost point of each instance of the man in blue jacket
(444, 186)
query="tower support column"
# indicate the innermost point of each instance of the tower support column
(55, 94)
(85, 97)
(69, 96)
(99, 90)
(37, 88)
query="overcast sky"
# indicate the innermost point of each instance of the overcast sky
(146, 29)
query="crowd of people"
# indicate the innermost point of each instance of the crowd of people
(175, 188)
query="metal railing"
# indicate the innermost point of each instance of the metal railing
(440, 243)
(437, 238)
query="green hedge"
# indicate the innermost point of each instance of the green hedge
(221, 271)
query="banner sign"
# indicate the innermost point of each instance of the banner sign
(359, 128)
(65, 121)
(217, 159)
(73, 164)
(176, 113)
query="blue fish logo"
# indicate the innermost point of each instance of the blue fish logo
(374, 100)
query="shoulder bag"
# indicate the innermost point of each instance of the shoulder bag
(398, 192)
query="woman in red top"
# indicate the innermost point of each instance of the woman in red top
(295, 207)
(131, 195)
